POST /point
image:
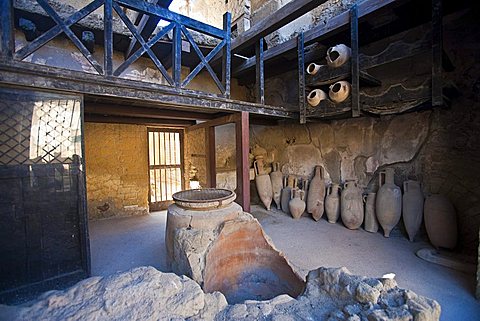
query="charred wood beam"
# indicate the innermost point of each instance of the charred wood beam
(301, 79)
(355, 70)
(146, 27)
(6, 29)
(319, 33)
(108, 37)
(94, 118)
(437, 52)
(146, 112)
(242, 137)
(32, 75)
(259, 72)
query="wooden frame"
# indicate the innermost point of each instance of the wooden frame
(178, 23)
(242, 139)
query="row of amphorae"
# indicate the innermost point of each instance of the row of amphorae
(385, 207)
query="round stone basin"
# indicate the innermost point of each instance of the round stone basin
(204, 199)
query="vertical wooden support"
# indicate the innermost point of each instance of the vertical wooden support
(226, 57)
(177, 55)
(211, 160)
(242, 136)
(108, 38)
(437, 51)
(6, 32)
(259, 73)
(354, 60)
(301, 78)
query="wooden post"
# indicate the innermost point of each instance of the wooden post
(108, 38)
(6, 26)
(301, 78)
(354, 59)
(226, 57)
(437, 52)
(243, 166)
(260, 75)
(211, 160)
(177, 55)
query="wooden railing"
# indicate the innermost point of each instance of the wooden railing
(177, 24)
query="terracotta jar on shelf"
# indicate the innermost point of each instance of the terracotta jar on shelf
(315, 97)
(332, 203)
(338, 55)
(313, 68)
(339, 91)
(316, 194)
(276, 177)
(389, 201)
(263, 183)
(351, 204)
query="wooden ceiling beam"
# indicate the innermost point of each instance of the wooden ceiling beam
(147, 112)
(178, 123)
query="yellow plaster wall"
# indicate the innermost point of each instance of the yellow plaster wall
(117, 170)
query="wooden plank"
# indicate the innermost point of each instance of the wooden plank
(149, 8)
(177, 55)
(437, 52)
(354, 61)
(108, 38)
(46, 77)
(301, 78)
(146, 112)
(94, 118)
(211, 158)
(227, 54)
(259, 72)
(276, 20)
(319, 33)
(6, 32)
(146, 27)
(242, 137)
(228, 119)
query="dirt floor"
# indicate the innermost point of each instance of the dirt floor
(122, 243)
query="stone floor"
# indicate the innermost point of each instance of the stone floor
(119, 244)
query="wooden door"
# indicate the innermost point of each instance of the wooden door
(165, 160)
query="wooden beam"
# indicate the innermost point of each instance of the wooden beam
(227, 54)
(276, 20)
(301, 78)
(228, 119)
(319, 33)
(94, 118)
(6, 26)
(437, 52)
(355, 71)
(108, 37)
(146, 27)
(242, 137)
(46, 77)
(259, 72)
(211, 157)
(146, 112)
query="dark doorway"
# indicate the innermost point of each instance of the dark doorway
(165, 157)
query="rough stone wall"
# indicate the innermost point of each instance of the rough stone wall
(116, 160)
(195, 156)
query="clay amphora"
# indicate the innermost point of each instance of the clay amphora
(338, 55)
(313, 68)
(315, 97)
(441, 221)
(316, 194)
(332, 203)
(277, 184)
(351, 204)
(297, 204)
(263, 182)
(339, 91)
(389, 202)
(289, 184)
(371, 223)
(412, 207)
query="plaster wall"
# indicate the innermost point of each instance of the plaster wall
(117, 170)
